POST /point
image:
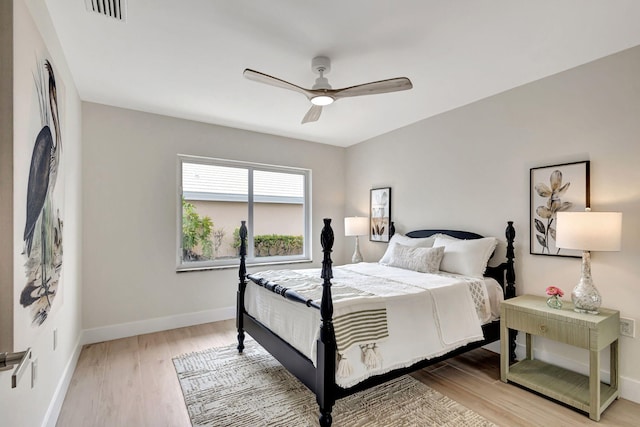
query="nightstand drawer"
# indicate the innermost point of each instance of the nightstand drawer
(557, 330)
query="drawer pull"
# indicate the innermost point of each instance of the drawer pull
(543, 328)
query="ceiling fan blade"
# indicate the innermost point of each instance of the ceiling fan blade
(382, 86)
(313, 114)
(274, 81)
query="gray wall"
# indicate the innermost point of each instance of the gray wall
(131, 206)
(469, 169)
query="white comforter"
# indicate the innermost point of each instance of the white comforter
(427, 314)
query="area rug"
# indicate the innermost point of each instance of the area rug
(224, 388)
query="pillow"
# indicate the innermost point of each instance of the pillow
(423, 242)
(424, 260)
(466, 257)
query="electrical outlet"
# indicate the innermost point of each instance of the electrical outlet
(55, 339)
(34, 372)
(627, 327)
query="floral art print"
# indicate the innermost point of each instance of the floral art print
(380, 215)
(556, 189)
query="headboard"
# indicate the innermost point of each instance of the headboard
(503, 273)
(453, 233)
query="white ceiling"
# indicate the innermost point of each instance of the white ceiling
(185, 58)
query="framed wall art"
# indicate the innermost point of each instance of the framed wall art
(554, 189)
(380, 215)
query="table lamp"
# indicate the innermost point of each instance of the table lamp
(356, 226)
(588, 231)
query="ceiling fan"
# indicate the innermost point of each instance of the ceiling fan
(322, 94)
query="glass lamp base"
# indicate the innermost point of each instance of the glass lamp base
(357, 256)
(585, 296)
(581, 310)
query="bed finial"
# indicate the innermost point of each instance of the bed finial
(243, 250)
(326, 240)
(510, 290)
(242, 273)
(510, 234)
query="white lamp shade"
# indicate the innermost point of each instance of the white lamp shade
(356, 226)
(589, 231)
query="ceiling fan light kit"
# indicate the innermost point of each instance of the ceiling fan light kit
(321, 94)
(322, 100)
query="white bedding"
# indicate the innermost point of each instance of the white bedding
(428, 314)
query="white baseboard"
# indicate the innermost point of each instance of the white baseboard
(494, 346)
(630, 389)
(123, 330)
(53, 411)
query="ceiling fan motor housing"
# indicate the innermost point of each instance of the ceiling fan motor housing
(321, 64)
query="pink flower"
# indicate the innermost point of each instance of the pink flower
(553, 290)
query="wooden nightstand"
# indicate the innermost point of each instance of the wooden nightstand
(530, 314)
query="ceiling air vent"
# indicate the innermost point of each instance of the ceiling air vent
(116, 9)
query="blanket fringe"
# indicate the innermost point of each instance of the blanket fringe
(344, 367)
(370, 356)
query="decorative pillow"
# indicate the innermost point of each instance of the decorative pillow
(424, 260)
(423, 242)
(467, 257)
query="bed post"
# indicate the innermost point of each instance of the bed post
(326, 356)
(510, 290)
(242, 285)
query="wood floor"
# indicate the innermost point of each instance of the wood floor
(132, 382)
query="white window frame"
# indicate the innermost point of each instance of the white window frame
(306, 256)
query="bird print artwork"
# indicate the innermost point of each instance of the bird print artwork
(43, 225)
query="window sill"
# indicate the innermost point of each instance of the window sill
(189, 269)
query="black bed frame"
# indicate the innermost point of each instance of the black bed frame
(321, 379)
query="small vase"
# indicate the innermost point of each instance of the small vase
(554, 302)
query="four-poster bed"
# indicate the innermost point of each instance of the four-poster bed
(320, 377)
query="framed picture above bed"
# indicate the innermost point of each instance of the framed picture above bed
(554, 189)
(380, 215)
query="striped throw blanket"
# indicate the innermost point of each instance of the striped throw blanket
(365, 328)
(360, 317)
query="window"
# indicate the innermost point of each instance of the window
(215, 195)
